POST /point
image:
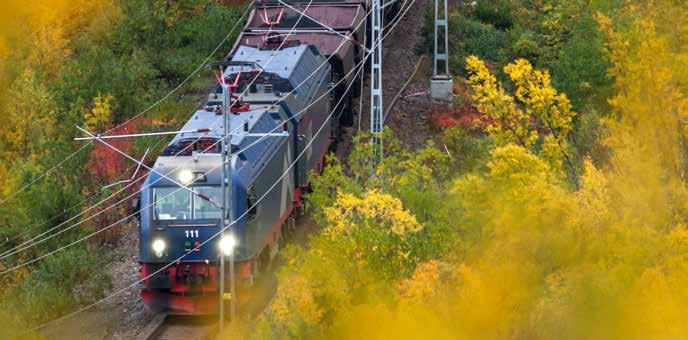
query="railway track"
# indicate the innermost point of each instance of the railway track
(173, 327)
(179, 327)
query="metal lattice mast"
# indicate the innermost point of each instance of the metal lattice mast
(441, 85)
(441, 43)
(376, 111)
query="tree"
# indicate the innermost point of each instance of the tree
(98, 118)
(31, 117)
(368, 242)
(650, 105)
(536, 117)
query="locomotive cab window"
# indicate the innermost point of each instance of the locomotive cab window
(204, 209)
(172, 204)
(175, 203)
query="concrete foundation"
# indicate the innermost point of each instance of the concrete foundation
(441, 88)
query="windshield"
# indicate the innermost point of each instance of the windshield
(175, 203)
(203, 209)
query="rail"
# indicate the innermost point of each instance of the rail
(172, 327)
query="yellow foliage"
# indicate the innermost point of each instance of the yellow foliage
(295, 296)
(537, 261)
(514, 164)
(382, 206)
(30, 115)
(423, 285)
(547, 263)
(650, 106)
(39, 32)
(366, 242)
(608, 261)
(5, 183)
(508, 123)
(536, 112)
(98, 118)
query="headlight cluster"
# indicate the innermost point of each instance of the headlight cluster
(227, 244)
(158, 247)
(186, 176)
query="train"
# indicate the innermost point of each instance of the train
(292, 70)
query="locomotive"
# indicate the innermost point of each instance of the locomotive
(290, 76)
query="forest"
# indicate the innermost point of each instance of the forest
(558, 213)
(551, 204)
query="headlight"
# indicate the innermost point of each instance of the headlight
(158, 247)
(185, 176)
(227, 244)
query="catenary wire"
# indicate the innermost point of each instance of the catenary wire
(181, 257)
(223, 229)
(205, 61)
(14, 250)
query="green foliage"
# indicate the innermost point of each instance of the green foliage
(60, 282)
(471, 37)
(588, 131)
(507, 248)
(152, 48)
(44, 204)
(31, 116)
(524, 43)
(326, 186)
(468, 151)
(414, 177)
(93, 63)
(581, 67)
(496, 13)
(467, 36)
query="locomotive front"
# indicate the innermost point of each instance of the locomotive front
(176, 223)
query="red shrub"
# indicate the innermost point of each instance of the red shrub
(106, 166)
(464, 115)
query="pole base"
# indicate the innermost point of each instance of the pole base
(441, 88)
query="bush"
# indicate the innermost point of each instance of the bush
(524, 44)
(580, 69)
(469, 150)
(495, 13)
(130, 79)
(472, 37)
(148, 52)
(59, 283)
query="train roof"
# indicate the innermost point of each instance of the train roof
(261, 118)
(202, 119)
(294, 63)
(300, 65)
